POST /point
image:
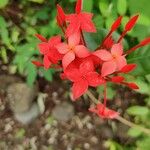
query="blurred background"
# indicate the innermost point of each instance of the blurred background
(26, 123)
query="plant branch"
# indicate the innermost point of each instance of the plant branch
(119, 118)
(82, 38)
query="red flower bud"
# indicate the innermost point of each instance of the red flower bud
(130, 24)
(37, 63)
(116, 24)
(128, 68)
(117, 79)
(78, 6)
(132, 86)
(40, 37)
(60, 15)
(145, 42)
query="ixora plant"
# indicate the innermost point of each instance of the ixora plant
(85, 68)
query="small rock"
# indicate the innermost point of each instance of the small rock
(94, 139)
(106, 132)
(27, 117)
(122, 131)
(63, 112)
(6, 80)
(33, 143)
(20, 97)
(51, 140)
(86, 145)
(47, 127)
(8, 128)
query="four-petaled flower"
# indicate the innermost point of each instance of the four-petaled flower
(113, 60)
(48, 49)
(71, 50)
(79, 21)
(104, 112)
(83, 77)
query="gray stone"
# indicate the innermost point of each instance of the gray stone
(63, 112)
(20, 97)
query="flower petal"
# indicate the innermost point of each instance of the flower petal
(67, 59)
(44, 47)
(103, 55)
(71, 17)
(74, 39)
(81, 51)
(94, 79)
(62, 48)
(73, 27)
(46, 62)
(79, 88)
(73, 74)
(121, 62)
(86, 22)
(108, 68)
(53, 41)
(103, 112)
(86, 66)
(117, 49)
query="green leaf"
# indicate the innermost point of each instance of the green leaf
(105, 8)
(3, 31)
(31, 73)
(137, 110)
(140, 31)
(140, 6)
(143, 144)
(122, 7)
(142, 58)
(20, 133)
(88, 6)
(134, 132)
(144, 20)
(109, 22)
(3, 3)
(93, 40)
(98, 21)
(4, 55)
(144, 86)
(37, 1)
(48, 74)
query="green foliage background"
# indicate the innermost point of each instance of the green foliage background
(20, 20)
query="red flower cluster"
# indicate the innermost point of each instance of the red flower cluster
(81, 66)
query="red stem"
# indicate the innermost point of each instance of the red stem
(82, 38)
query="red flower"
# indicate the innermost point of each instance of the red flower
(83, 77)
(113, 61)
(71, 50)
(48, 49)
(103, 112)
(79, 21)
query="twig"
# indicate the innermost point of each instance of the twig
(82, 38)
(119, 118)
